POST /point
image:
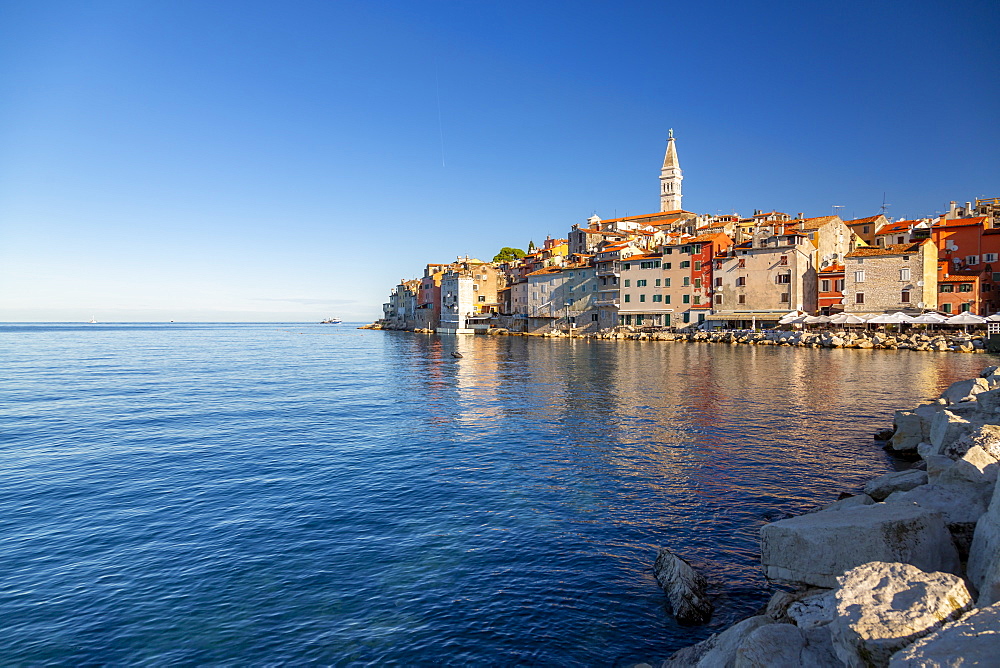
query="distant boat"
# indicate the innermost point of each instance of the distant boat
(93, 320)
(331, 321)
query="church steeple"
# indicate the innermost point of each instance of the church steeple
(670, 178)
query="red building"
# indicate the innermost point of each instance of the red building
(830, 289)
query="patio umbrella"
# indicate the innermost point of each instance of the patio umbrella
(847, 319)
(965, 319)
(930, 318)
(791, 318)
(993, 318)
(816, 319)
(896, 318)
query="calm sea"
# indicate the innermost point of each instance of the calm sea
(260, 495)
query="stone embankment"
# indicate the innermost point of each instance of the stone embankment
(864, 339)
(905, 573)
(931, 342)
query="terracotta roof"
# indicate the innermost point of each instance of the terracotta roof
(816, 223)
(961, 222)
(832, 269)
(546, 270)
(959, 278)
(647, 256)
(862, 221)
(893, 249)
(898, 226)
(708, 238)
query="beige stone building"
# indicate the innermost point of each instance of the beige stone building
(896, 277)
(469, 296)
(765, 278)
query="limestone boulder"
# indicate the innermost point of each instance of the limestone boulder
(914, 427)
(684, 587)
(722, 653)
(815, 549)
(973, 640)
(850, 502)
(946, 428)
(884, 485)
(984, 554)
(986, 436)
(883, 607)
(771, 646)
(816, 610)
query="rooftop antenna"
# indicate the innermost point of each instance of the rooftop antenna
(885, 207)
(835, 207)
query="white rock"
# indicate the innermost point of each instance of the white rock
(724, 645)
(883, 607)
(957, 504)
(946, 429)
(973, 640)
(884, 485)
(816, 548)
(813, 611)
(974, 467)
(986, 437)
(684, 587)
(984, 554)
(963, 390)
(850, 502)
(771, 646)
(909, 431)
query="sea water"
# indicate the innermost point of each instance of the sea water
(282, 494)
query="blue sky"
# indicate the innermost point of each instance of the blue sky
(199, 160)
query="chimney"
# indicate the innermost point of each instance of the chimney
(801, 216)
(951, 210)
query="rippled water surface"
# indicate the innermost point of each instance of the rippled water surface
(291, 494)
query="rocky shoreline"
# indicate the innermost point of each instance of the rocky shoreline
(906, 573)
(862, 339)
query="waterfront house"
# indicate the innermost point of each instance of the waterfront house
(891, 278)
(830, 286)
(642, 292)
(469, 296)
(866, 228)
(765, 278)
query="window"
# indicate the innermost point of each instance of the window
(859, 276)
(904, 296)
(593, 317)
(861, 260)
(627, 266)
(824, 285)
(686, 264)
(641, 283)
(649, 264)
(666, 265)
(966, 307)
(686, 249)
(900, 240)
(946, 308)
(965, 287)
(642, 298)
(687, 281)
(946, 287)
(697, 299)
(784, 261)
(838, 285)
(741, 299)
(971, 259)
(656, 264)
(657, 298)
(697, 266)
(785, 278)
(989, 257)
(628, 282)
(482, 298)
(666, 282)
(996, 276)
(741, 263)
(987, 287)
(670, 251)
(785, 298)
(686, 299)
(859, 298)
(697, 282)
(686, 317)
(657, 282)
(906, 258)
(866, 229)
(475, 286)
(904, 274)
(718, 299)
(880, 241)
(741, 281)
(628, 320)
(666, 299)
(718, 282)
(628, 298)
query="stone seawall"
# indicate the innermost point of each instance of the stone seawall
(922, 342)
(905, 573)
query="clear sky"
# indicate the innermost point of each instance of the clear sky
(263, 160)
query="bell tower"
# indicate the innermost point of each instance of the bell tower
(670, 178)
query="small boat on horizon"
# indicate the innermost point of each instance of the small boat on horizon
(93, 321)
(331, 321)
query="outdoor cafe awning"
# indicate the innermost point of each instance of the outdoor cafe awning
(747, 315)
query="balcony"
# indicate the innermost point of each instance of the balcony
(606, 302)
(614, 270)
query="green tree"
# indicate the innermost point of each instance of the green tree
(531, 246)
(507, 254)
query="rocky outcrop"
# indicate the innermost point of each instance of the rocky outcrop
(984, 554)
(884, 485)
(815, 549)
(684, 587)
(972, 641)
(883, 607)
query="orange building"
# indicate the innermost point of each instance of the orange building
(830, 287)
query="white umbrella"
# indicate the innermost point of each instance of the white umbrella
(930, 318)
(993, 318)
(965, 318)
(847, 319)
(896, 318)
(816, 319)
(791, 318)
